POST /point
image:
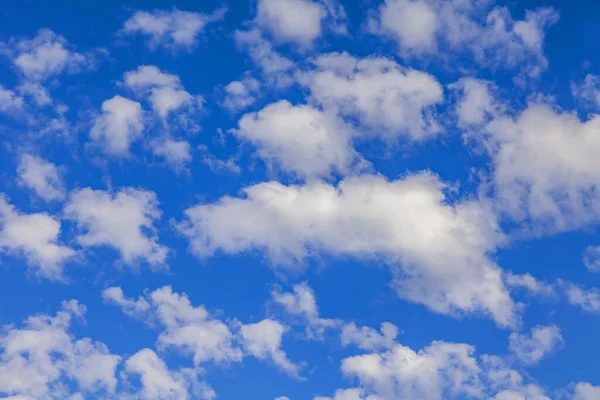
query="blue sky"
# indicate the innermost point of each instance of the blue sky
(299, 200)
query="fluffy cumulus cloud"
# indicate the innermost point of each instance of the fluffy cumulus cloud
(490, 35)
(164, 91)
(36, 238)
(173, 29)
(441, 370)
(45, 55)
(10, 102)
(122, 220)
(383, 96)
(42, 177)
(240, 94)
(545, 168)
(263, 341)
(158, 382)
(368, 216)
(37, 359)
(367, 338)
(531, 348)
(192, 331)
(300, 139)
(120, 123)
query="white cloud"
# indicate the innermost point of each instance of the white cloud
(275, 67)
(164, 91)
(591, 258)
(476, 105)
(35, 236)
(300, 140)
(160, 383)
(241, 94)
(187, 328)
(175, 152)
(37, 92)
(588, 91)
(367, 338)
(263, 341)
(438, 252)
(546, 170)
(10, 102)
(586, 391)
(120, 123)
(466, 27)
(383, 96)
(588, 300)
(441, 370)
(530, 349)
(530, 284)
(46, 55)
(401, 373)
(217, 165)
(296, 21)
(36, 359)
(302, 303)
(171, 29)
(123, 221)
(42, 177)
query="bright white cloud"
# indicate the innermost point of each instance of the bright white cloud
(186, 328)
(46, 55)
(546, 169)
(42, 177)
(297, 21)
(160, 383)
(531, 348)
(439, 371)
(367, 338)
(384, 97)
(120, 123)
(300, 140)
(302, 303)
(122, 220)
(492, 37)
(174, 29)
(263, 341)
(36, 237)
(530, 284)
(37, 358)
(164, 91)
(368, 216)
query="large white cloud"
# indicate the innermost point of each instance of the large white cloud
(438, 252)
(545, 167)
(174, 29)
(383, 96)
(121, 123)
(42, 177)
(36, 237)
(300, 139)
(122, 220)
(491, 36)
